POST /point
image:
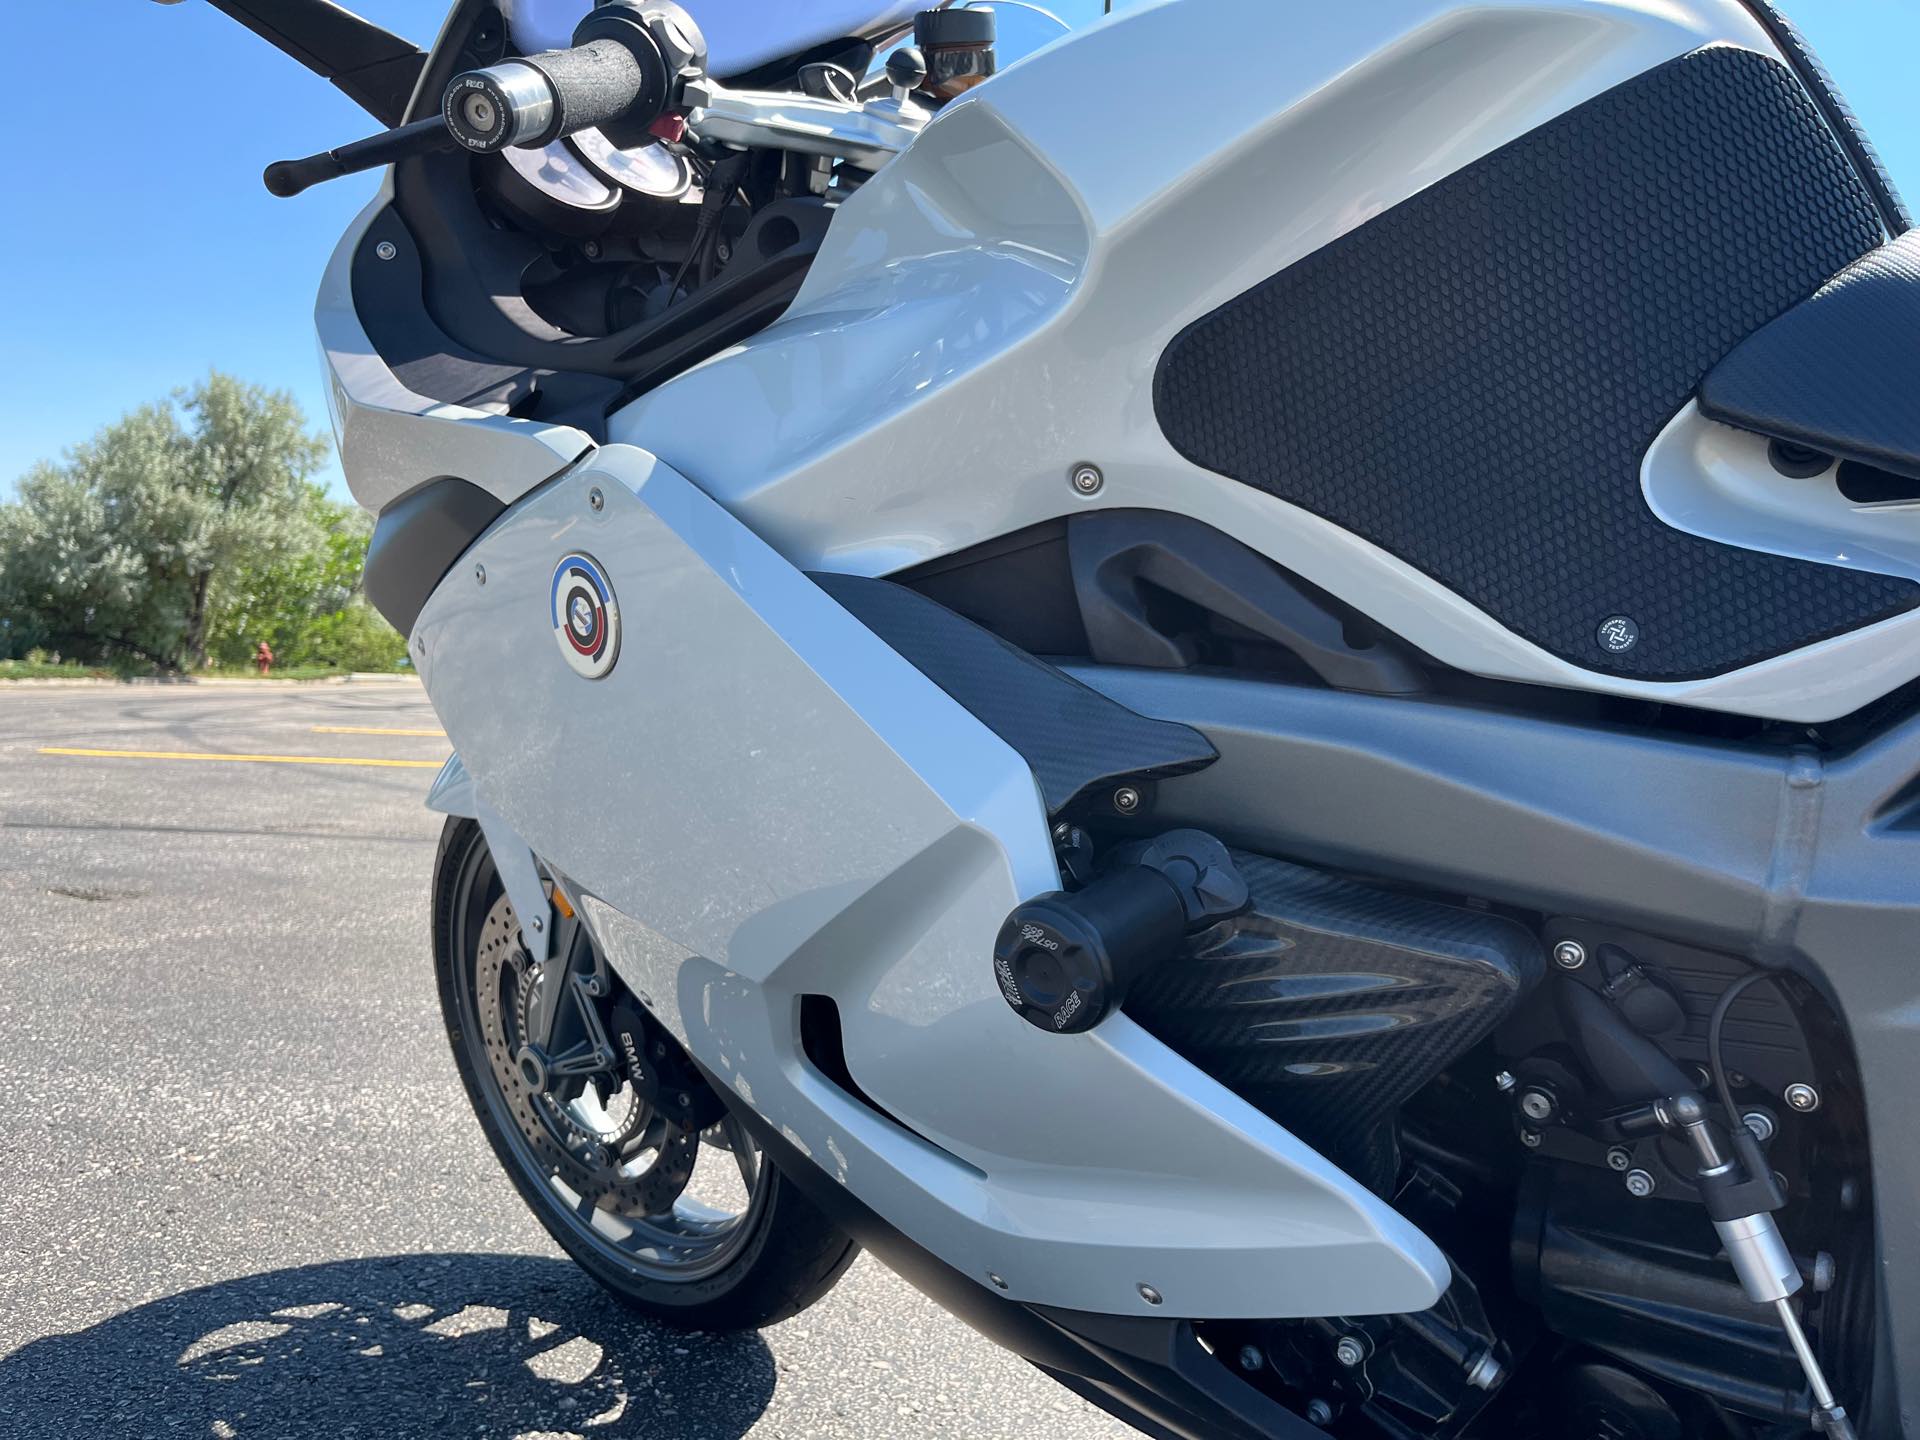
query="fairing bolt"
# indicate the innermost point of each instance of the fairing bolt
(1569, 954)
(479, 574)
(591, 249)
(1803, 1097)
(596, 500)
(1251, 1358)
(1127, 800)
(1349, 1352)
(1530, 1139)
(1760, 1123)
(1087, 479)
(386, 250)
(538, 924)
(1150, 1295)
(998, 1283)
(1536, 1104)
(1504, 1081)
(1319, 1412)
(1619, 1158)
(1639, 1184)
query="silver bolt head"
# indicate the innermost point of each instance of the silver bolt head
(1619, 1158)
(1569, 954)
(1126, 799)
(1504, 1081)
(595, 499)
(1803, 1097)
(538, 924)
(1487, 1372)
(1349, 1352)
(1760, 1124)
(1251, 1358)
(1639, 1184)
(1087, 479)
(1536, 1104)
(1150, 1295)
(998, 1283)
(386, 250)
(1530, 1139)
(479, 574)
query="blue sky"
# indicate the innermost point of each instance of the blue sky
(143, 250)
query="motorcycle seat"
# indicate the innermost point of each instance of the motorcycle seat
(1836, 372)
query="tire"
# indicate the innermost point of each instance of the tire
(786, 1253)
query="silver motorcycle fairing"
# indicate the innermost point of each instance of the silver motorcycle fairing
(761, 801)
(392, 440)
(987, 312)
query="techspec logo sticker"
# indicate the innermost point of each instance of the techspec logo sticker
(586, 617)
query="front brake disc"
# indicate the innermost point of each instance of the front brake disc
(600, 1133)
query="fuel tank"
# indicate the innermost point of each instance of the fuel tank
(1421, 316)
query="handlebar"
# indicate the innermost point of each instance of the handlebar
(627, 66)
(632, 63)
(533, 102)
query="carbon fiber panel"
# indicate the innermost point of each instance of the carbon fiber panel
(1470, 379)
(1330, 1002)
(1074, 738)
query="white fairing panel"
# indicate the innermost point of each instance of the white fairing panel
(392, 440)
(988, 311)
(740, 34)
(761, 800)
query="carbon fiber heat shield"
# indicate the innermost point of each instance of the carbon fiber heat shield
(1328, 1003)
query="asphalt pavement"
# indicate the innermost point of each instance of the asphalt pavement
(241, 1193)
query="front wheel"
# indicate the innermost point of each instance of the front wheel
(694, 1228)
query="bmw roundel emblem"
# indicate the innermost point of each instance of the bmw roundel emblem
(586, 617)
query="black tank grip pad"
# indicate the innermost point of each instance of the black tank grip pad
(1471, 379)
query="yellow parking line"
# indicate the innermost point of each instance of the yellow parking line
(374, 730)
(242, 759)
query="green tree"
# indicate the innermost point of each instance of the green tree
(281, 597)
(179, 524)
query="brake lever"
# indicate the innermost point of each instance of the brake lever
(287, 178)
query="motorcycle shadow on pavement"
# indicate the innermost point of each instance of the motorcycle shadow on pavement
(449, 1345)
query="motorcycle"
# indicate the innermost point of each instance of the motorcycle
(1247, 693)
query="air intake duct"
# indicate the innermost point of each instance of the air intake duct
(1327, 1003)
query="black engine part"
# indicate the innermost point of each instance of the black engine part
(1330, 1002)
(1426, 1374)
(1644, 1282)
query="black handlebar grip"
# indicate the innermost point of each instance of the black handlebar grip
(628, 62)
(597, 84)
(537, 100)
